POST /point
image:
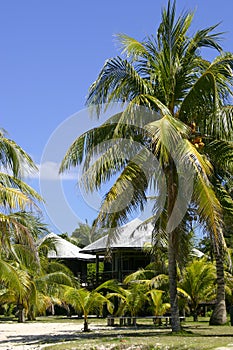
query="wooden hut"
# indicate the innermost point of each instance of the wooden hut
(127, 251)
(70, 255)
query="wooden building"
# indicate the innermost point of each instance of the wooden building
(70, 255)
(127, 251)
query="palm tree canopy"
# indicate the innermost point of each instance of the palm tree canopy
(199, 281)
(186, 95)
(176, 114)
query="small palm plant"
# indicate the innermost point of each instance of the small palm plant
(157, 306)
(86, 302)
(199, 284)
(15, 287)
(131, 299)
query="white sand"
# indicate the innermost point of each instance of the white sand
(37, 335)
(24, 336)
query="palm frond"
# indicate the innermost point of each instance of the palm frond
(14, 230)
(57, 278)
(17, 280)
(203, 38)
(26, 258)
(221, 68)
(220, 125)
(112, 84)
(13, 157)
(131, 47)
(200, 100)
(86, 144)
(9, 181)
(221, 154)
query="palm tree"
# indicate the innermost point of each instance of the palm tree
(198, 282)
(15, 286)
(85, 234)
(132, 299)
(51, 285)
(220, 252)
(157, 305)
(17, 226)
(157, 286)
(15, 195)
(86, 302)
(176, 110)
(32, 284)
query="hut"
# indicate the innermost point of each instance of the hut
(127, 253)
(70, 255)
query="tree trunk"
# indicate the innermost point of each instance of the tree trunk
(172, 271)
(31, 314)
(21, 313)
(172, 186)
(219, 315)
(195, 316)
(85, 328)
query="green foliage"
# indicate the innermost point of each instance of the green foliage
(198, 282)
(86, 302)
(85, 234)
(177, 108)
(157, 306)
(131, 299)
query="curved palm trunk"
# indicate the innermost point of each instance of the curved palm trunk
(219, 315)
(172, 271)
(31, 314)
(172, 248)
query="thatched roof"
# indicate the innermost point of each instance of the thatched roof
(129, 236)
(133, 236)
(65, 249)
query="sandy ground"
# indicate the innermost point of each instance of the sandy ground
(27, 336)
(37, 335)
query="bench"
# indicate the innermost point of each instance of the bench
(129, 320)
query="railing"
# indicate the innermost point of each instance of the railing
(96, 280)
(132, 320)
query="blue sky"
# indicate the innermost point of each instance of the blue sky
(51, 51)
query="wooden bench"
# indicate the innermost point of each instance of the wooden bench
(129, 321)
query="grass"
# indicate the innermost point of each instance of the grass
(195, 336)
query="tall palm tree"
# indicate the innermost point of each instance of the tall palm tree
(222, 174)
(18, 225)
(16, 197)
(177, 107)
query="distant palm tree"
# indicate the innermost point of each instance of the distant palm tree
(177, 109)
(85, 234)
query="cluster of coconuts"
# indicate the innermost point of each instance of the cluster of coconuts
(196, 139)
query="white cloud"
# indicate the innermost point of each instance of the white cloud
(50, 171)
